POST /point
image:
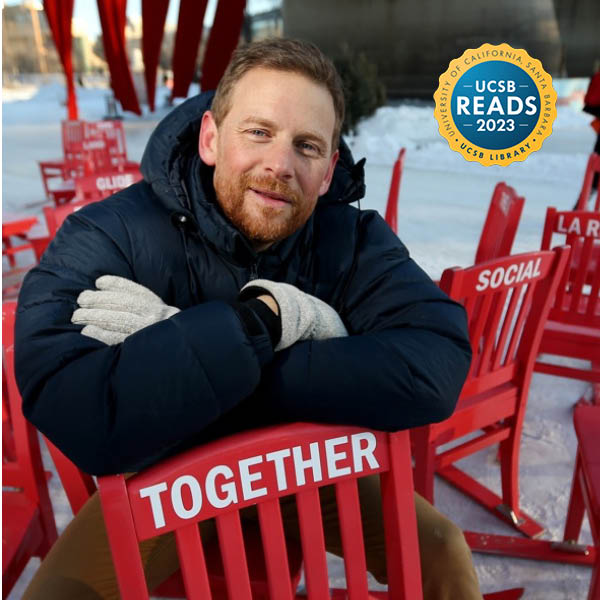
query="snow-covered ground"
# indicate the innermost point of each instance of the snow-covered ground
(443, 202)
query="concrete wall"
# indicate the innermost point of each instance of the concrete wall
(412, 42)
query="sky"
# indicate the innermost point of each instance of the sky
(86, 12)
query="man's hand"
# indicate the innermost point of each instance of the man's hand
(118, 308)
(303, 316)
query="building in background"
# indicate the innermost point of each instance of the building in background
(262, 25)
(413, 43)
(27, 45)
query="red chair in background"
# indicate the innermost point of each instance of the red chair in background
(507, 302)
(89, 148)
(28, 527)
(573, 327)
(501, 223)
(137, 508)
(592, 169)
(102, 185)
(15, 227)
(391, 210)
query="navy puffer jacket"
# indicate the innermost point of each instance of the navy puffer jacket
(200, 374)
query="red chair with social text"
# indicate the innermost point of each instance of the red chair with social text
(501, 223)
(28, 527)
(592, 170)
(507, 302)
(178, 493)
(391, 210)
(573, 327)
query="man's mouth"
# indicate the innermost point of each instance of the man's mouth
(273, 197)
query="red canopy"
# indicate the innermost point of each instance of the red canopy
(223, 40)
(154, 14)
(187, 41)
(59, 14)
(113, 17)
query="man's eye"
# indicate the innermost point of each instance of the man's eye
(258, 132)
(307, 147)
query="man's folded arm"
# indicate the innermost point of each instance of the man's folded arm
(112, 408)
(403, 364)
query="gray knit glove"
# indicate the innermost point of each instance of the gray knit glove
(303, 316)
(118, 308)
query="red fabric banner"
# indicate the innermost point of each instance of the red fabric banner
(154, 14)
(187, 41)
(224, 38)
(59, 14)
(112, 18)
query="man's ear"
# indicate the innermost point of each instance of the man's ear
(329, 175)
(207, 141)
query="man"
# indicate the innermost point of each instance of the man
(334, 322)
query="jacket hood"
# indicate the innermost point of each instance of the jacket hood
(171, 157)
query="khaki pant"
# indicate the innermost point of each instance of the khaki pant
(79, 565)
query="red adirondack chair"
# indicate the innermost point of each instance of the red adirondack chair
(507, 302)
(136, 509)
(573, 327)
(592, 169)
(28, 527)
(391, 210)
(500, 227)
(89, 148)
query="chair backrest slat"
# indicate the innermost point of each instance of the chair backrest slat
(476, 327)
(313, 543)
(511, 304)
(129, 567)
(490, 334)
(526, 300)
(275, 549)
(192, 563)
(233, 554)
(593, 307)
(395, 493)
(352, 538)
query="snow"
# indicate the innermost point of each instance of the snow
(443, 202)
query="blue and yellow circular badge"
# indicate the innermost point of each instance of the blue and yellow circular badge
(495, 105)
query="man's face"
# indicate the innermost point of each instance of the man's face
(272, 153)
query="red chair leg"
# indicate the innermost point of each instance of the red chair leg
(424, 470)
(509, 469)
(576, 506)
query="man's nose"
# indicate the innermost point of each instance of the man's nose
(279, 160)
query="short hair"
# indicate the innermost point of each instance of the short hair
(282, 54)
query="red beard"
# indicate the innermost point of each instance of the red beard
(258, 222)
